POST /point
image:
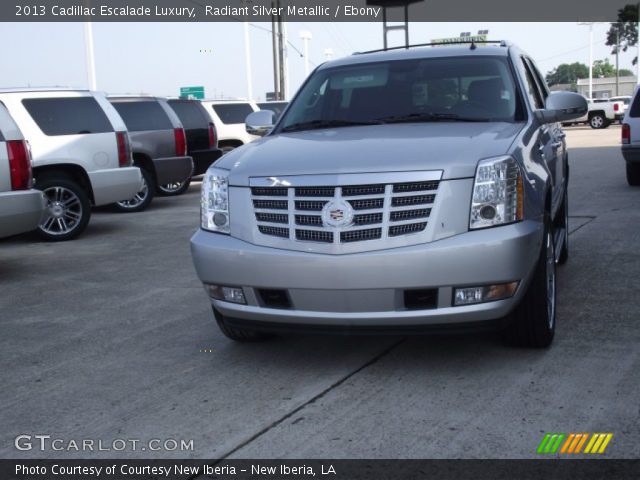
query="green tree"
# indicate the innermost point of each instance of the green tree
(625, 30)
(623, 72)
(602, 68)
(567, 73)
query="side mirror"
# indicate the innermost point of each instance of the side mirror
(259, 123)
(563, 106)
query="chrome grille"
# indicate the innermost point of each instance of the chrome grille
(269, 191)
(409, 214)
(313, 220)
(314, 236)
(271, 204)
(367, 218)
(380, 211)
(413, 200)
(275, 231)
(360, 235)
(367, 204)
(315, 191)
(396, 230)
(313, 205)
(272, 217)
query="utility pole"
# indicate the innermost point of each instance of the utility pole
(617, 59)
(89, 56)
(281, 75)
(247, 57)
(276, 70)
(591, 61)
(305, 36)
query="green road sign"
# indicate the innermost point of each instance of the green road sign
(192, 92)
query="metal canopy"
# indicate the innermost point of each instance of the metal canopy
(385, 4)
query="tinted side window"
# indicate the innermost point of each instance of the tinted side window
(143, 115)
(635, 106)
(542, 85)
(68, 116)
(532, 88)
(233, 112)
(191, 114)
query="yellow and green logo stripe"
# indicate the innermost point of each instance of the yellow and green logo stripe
(573, 443)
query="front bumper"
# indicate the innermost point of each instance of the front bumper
(367, 289)
(115, 184)
(20, 211)
(203, 159)
(172, 169)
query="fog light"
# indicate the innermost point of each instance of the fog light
(228, 294)
(485, 293)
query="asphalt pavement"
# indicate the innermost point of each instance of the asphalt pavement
(111, 336)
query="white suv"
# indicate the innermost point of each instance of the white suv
(228, 117)
(81, 154)
(21, 207)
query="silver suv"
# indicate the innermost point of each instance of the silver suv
(21, 207)
(414, 189)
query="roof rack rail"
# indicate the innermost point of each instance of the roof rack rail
(472, 43)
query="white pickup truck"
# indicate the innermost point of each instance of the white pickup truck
(602, 112)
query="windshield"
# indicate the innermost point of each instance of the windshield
(417, 90)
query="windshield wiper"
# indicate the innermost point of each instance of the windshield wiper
(315, 124)
(430, 117)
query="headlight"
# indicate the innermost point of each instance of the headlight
(497, 193)
(214, 202)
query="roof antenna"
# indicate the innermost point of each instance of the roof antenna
(473, 44)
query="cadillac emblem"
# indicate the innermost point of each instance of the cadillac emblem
(337, 213)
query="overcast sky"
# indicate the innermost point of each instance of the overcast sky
(158, 58)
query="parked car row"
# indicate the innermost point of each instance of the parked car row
(85, 149)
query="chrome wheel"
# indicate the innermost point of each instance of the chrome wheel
(64, 211)
(551, 281)
(138, 198)
(597, 121)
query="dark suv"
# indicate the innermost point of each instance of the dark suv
(158, 145)
(202, 140)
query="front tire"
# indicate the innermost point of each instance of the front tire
(236, 334)
(633, 174)
(68, 209)
(143, 197)
(598, 121)
(533, 322)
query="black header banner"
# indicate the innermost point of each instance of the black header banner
(121, 469)
(309, 10)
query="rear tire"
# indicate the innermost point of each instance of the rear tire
(533, 322)
(68, 208)
(633, 174)
(173, 189)
(598, 121)
(239, 334)
(143, 197)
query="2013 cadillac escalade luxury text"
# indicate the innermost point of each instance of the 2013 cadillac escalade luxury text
(404, 189)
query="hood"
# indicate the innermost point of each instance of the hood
(454, 148)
